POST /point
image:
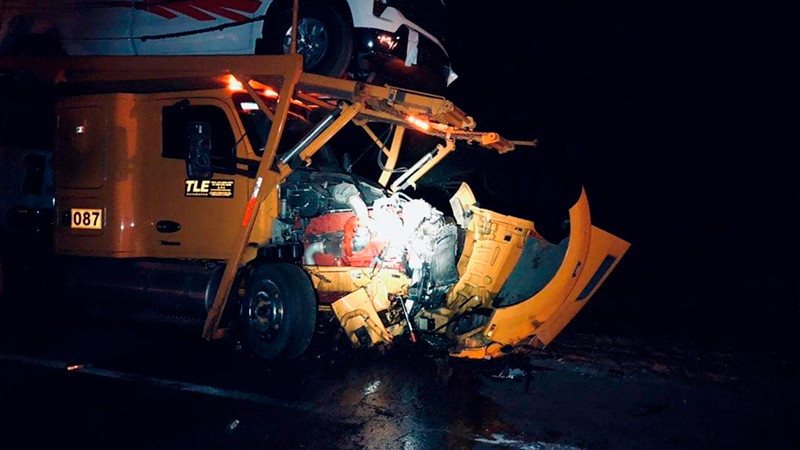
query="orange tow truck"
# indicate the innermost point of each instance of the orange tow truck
(186, 185)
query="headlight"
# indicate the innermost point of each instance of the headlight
(388, 41)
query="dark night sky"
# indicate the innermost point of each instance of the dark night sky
(659, 111)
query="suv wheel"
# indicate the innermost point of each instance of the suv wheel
(324, 37)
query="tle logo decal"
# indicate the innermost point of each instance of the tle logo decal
(208, 188)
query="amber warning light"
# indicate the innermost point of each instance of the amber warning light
(234, 85)
(422, 124)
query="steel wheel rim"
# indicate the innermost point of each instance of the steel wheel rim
(265, 312)
(312, 40)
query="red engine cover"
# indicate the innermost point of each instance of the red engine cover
(338, 222)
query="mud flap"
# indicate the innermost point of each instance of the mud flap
(591, 255)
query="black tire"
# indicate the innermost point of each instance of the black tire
(287, 336)
(339, 50)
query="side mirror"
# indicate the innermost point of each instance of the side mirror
(198, 159)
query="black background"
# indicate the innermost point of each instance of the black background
(665, 113)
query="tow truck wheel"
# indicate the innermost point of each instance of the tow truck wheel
(324, 37)
(278, 311)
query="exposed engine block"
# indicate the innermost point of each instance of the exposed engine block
(344, 222)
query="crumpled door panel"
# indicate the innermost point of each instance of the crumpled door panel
(590, 256)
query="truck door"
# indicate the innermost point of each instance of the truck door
(191, 217)
(197, 27)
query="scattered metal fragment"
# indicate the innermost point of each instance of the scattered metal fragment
(372, 387)
(510, 374)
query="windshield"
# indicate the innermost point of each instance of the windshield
(256, 123)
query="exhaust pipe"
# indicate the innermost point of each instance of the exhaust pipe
(311, 250)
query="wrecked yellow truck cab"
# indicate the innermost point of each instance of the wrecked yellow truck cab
(512, 290)
(185, 185)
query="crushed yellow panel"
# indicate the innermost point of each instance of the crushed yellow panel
(512, 324)
(489, 257)
(591, 255)
(358, 314)
(490, 351)
(349, 279)
(605, 251)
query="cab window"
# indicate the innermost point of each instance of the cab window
(256, 123)
(175, 142)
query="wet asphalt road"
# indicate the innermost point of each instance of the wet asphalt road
(136, 385)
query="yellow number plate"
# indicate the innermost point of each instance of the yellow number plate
(87, 219)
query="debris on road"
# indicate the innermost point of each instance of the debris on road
(510, 373)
